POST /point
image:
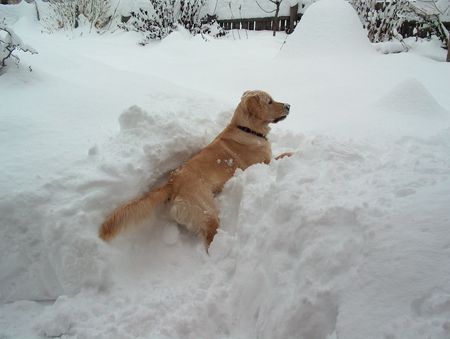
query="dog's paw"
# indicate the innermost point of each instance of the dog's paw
(282, 155)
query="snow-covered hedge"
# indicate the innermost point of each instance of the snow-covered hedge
(154, 18)
(10, 42)
(158, 18)
(384, 21)
(67, 14)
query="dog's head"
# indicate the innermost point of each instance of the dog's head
(260, 105)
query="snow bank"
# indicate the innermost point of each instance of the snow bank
(300, 253)
(63, 253)
(329, 28)
(307, 245)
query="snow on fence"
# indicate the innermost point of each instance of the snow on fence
(282, 23)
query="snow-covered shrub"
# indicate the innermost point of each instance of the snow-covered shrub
(189, 16)
(428, 18)
(10, 42)
(163, 16)
(65, 14)
(155, 23)
(384, 20)
(211, 27)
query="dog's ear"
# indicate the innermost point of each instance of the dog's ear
(245, 93)
(250, 93)
(252, 102)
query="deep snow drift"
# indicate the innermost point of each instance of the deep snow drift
(346, 239)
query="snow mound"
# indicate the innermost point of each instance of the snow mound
(328, 28)
(411, 97)
(300, 242)
(58, 223)
(299, 238)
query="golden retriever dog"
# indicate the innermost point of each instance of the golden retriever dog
(190, 190)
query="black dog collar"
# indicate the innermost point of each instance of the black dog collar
(248, 130)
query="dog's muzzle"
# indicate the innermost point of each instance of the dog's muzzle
(286, 108)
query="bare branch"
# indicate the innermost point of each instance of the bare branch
(263, 8)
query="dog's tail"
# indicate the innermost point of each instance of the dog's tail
(133, 212)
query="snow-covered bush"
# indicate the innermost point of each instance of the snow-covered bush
(190, 15)
(428, 17)
(156, 22)
(9, 43)
(163, 16)
(65, 14)
(384, 20)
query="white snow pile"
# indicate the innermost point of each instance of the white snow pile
(412, 98)
(63, 254)
(329, 28)
(306, 246)
(348, 238)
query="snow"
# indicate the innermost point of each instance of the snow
(330, 28)
(124, 8)
(412, 98)
(348, 238)
(12, 39)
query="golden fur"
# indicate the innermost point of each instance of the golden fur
(191, 188)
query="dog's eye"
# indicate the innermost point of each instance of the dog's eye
(270, 102)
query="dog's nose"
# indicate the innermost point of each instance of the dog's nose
(287, 107)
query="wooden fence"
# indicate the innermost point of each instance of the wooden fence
(283, 23)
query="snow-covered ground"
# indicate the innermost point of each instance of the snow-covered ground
(348, 238)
